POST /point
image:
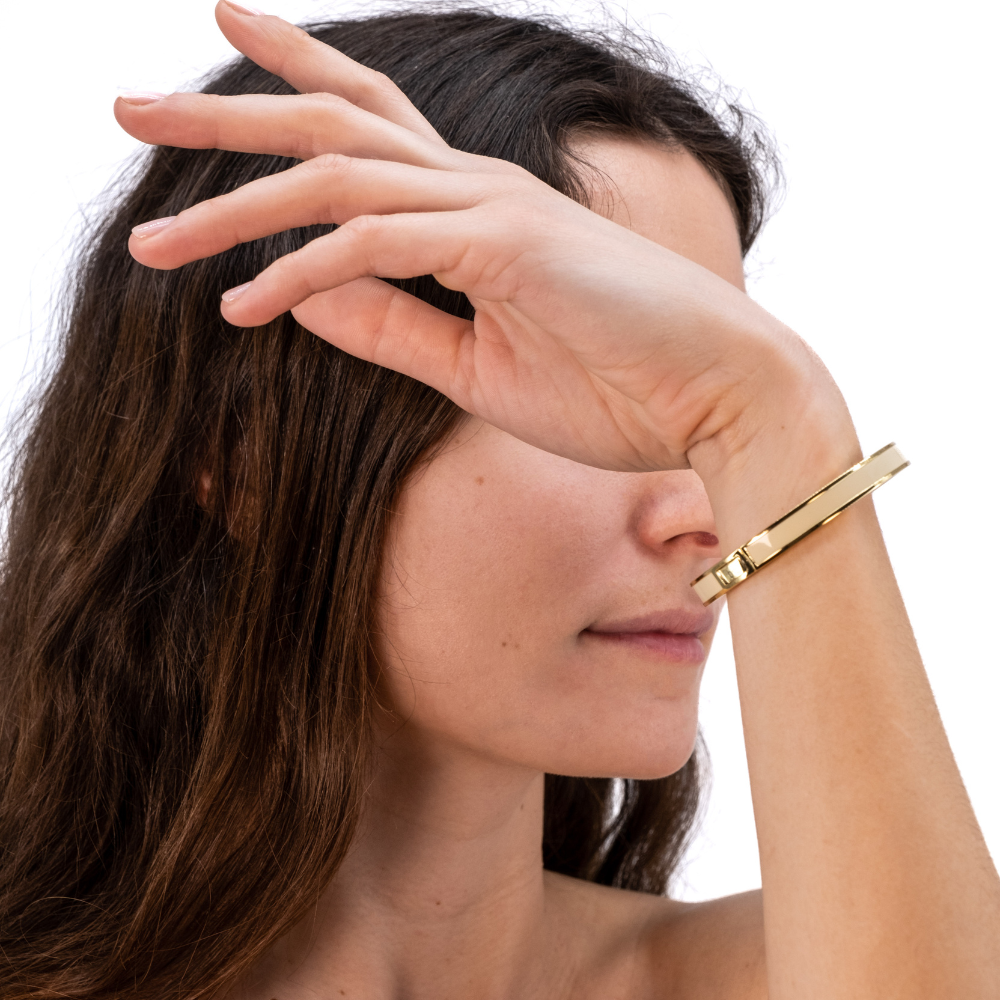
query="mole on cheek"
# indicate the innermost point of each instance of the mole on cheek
(480, 480)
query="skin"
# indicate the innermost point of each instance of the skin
(517, 580)
(514, 580)
(622, 386)
(503, 559)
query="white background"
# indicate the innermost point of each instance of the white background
(884, 257)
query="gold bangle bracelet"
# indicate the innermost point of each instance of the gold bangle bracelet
(823, 506)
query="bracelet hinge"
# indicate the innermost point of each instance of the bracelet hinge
(819, 509)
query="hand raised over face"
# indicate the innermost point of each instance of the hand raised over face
(596, 340)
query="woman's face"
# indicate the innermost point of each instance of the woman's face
(537, 611)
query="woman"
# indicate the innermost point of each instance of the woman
(317, 682)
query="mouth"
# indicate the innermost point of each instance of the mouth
(672, 635)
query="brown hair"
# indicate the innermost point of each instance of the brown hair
(185, 707)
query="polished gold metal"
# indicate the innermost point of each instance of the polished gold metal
(822, 507)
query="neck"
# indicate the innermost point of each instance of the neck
(442, 893)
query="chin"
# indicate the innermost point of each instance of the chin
(641, 748)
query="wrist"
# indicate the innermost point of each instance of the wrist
(794, 436)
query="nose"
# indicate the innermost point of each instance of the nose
(673, 510)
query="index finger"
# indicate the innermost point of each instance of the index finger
(311, 66)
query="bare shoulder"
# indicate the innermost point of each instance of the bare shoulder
(708, 951)
(654, 948)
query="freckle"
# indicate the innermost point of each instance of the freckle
(503, 644)
(517, 645)
(437, 902)
(480, 480)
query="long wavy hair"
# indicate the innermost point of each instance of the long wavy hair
(185, 707)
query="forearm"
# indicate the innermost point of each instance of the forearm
(877, 881)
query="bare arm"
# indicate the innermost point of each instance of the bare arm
(877, 881)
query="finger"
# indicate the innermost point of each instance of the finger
(386, 246)
(299, 126)
(383, 246)
(377, 322)
(327, 189)
(311, 66)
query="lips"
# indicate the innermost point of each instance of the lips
(678, 621)
(674, 634)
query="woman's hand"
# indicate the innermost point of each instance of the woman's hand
(589, 340)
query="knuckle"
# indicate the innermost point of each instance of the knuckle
(363, 228)
(315, 117)
(521, 182)
(379, 84)
(211, 105)
(509, 186)
(327, 164)
(292, 272)
(324, 113)
(325, 103)
(363, 234)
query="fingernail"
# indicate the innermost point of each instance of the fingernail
(234, 293)
(240, 9)
(151, 228)
(141, 96)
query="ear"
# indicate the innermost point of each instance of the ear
(230, 504)
(203, 487)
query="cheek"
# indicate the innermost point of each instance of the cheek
(492, 572)
(475, 592)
